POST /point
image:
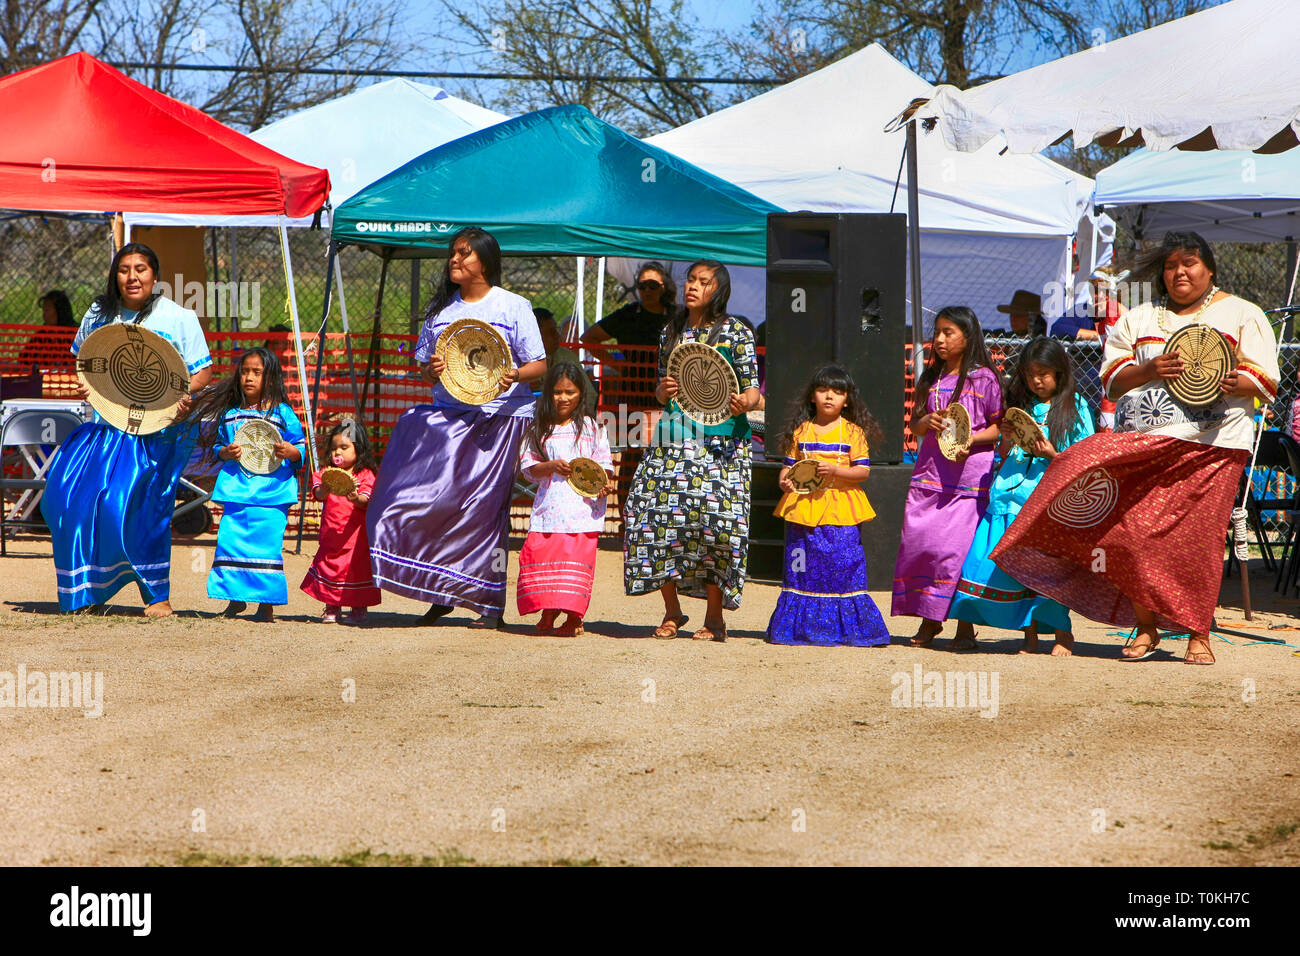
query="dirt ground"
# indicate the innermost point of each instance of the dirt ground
(229, 740)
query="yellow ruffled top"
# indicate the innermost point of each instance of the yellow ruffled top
(840, 502)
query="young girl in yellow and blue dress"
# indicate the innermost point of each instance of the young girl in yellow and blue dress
(1044, 387)
(824, 597)
(248, 566)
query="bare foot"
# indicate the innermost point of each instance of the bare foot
(1064, 644)
(571, 626)
(546, 626)
(965, 639)
(234, 608)
(159, 609)
(1031, 641)
(265, 614)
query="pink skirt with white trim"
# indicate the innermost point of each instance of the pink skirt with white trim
(556, 572)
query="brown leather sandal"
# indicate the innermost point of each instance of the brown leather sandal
(710, 633)
(668, 629)
(1203, 655)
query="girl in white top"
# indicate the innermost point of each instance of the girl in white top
(558, 562)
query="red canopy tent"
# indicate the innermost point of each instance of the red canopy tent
(83, 136)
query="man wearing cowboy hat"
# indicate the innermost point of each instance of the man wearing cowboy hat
(1025, 313)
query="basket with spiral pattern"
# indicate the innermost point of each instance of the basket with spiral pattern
(705, 380)
(1207, 358)
(476, 356)
(135, 376)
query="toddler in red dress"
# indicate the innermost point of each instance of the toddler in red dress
(340, 573)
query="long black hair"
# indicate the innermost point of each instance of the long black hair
(211, 404)
(1151, 262)
(667, 297)
(489, 255)
(804, 409)
(1064, 411)
(545, 418)
(715, 310)
(356, 433)
(975, 356)
(110, 302)
(62, 308)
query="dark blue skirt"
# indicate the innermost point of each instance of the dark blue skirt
(824, 597)
(108, 503)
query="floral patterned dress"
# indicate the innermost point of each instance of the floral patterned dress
(686, 519)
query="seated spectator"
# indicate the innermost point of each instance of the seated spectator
(48, 348)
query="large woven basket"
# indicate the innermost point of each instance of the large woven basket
(705, 382)
(135, 376)
(476, 356)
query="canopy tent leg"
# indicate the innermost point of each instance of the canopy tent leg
(580, 299)
(914, 255)
(600, 289)
(302, 374)
(372, 360)
(347, 329)
(320, 336)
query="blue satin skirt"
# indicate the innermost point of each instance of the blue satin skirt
(108, 503)
(824, 599)
(249, 563)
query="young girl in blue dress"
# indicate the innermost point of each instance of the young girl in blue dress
(248, 566)
(824, 597)
(1044, 387)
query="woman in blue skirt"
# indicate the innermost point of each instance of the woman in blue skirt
(110, 494)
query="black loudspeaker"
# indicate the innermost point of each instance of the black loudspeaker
(836, 293)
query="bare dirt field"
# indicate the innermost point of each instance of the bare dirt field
(229, 741)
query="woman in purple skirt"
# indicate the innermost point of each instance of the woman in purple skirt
(439, 516)
(947, 498)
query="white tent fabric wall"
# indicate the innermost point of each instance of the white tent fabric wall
(818, 144)
(956, 269)
(1226, 70)
(358, 138)
(1225, 195)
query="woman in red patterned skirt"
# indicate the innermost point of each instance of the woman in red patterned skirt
(1128, 528)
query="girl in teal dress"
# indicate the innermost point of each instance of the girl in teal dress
(1044, 387)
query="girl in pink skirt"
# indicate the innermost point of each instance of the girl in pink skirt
(558, 563)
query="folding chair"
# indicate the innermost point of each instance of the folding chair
(30, 430)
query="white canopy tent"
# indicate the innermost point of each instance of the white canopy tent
(1225, 195)
(1219, 79)
(990, 224)
(358, 138)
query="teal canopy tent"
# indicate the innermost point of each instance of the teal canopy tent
(557, 182)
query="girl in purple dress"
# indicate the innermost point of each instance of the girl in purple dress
(947, 498)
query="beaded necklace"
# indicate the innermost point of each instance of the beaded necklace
(1164, 313)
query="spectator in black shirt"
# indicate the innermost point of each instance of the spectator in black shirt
(637, 324)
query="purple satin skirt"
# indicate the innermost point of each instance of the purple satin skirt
(439, 516)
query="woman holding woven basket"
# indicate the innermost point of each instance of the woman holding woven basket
(110, 493)
(686, 520)
(1127, 528)
(439, 515)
